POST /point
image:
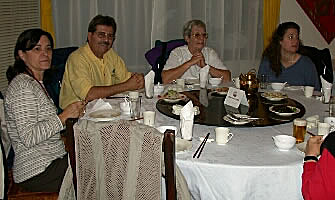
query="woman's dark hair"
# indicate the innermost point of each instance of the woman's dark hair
(26, 41)
(272, 51)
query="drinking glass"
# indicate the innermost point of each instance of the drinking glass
(332, 106)
(263, 81)
(299, 129)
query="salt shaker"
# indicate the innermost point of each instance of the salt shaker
(135, 104)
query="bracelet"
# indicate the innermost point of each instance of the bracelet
(310, 158)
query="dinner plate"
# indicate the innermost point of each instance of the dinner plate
(183, 145)
(104, 115)
(191, 81)
(274, 96)
(294, 88)
(295, 110)
(181, 97)
(237, 122)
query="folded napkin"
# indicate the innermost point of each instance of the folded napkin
(96, 105)
(204, 76)
(325, 84)
(186, 121)
(149, 83)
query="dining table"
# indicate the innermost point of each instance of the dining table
(249, 166)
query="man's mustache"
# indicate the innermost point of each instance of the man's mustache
(105, 43)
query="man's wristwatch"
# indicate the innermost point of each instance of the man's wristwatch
(307, 158)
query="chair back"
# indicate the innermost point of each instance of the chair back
(119, 160)
(53, 77)
(322, 61)
(158, 55)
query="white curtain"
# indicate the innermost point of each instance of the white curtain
(234, 27)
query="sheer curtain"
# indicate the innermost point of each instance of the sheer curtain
(234, 27)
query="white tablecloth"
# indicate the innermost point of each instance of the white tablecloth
(249, 166)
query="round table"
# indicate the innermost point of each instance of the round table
(212, 109)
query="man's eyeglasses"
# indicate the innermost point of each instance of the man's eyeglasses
(103, 35)
(199, 35)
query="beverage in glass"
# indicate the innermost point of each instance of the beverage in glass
(299, 129)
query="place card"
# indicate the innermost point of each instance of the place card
(235, 97)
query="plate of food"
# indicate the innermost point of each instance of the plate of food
(284, 110)
(104, 115)
(222, 90)
(176, 109)
(274, 96)
(172, 96)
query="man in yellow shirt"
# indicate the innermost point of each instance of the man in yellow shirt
(94, 70)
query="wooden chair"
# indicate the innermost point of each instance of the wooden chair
(15, 192)
(169, 158)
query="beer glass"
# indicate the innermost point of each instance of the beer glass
(299, 129)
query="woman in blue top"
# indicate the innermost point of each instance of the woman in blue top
(281, 61)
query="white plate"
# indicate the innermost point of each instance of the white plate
(274, 96)
(191, 81)
(104, 115)
(239, 122)
(183, 145)
(297, 110)
(181, 97)
(294, 88)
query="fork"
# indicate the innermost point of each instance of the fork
(244, 117)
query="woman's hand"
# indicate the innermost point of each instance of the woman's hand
(74, 110)
(199, 59)
(313, 146)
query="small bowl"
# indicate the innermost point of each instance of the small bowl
(278, 86)
(284, 142)
(125, 107)
(214, 81)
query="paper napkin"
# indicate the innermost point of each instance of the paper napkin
(96, 105)
(186, 121)
(204, 76)
(149, 84)
(326, 89)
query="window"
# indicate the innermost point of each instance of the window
(15, 17)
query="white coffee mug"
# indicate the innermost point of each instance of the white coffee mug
(308, 91)
(236, 81)
(149, 118)
(223, 135)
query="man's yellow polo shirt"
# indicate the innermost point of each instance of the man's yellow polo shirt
(84, 70)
